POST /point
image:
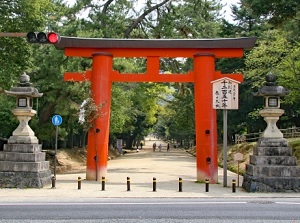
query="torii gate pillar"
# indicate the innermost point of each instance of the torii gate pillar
(98, 136)
(205, 118)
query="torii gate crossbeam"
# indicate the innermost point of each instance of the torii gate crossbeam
(203, 52)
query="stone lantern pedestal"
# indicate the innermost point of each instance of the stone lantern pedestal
(23, 133)
(272, 166)
(271, 116)
(22, 162)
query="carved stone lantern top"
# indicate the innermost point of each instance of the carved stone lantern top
(24, 80)
(24, 88)
(270, 88)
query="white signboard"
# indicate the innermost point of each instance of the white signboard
(225, 93)
(238, 157)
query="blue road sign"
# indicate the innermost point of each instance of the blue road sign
(56, 120)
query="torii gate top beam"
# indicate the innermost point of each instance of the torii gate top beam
(221, 48)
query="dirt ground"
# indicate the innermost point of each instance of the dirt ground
(72, 160)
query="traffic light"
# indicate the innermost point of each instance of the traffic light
(42, 37)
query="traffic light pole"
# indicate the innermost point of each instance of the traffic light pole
(13, 34)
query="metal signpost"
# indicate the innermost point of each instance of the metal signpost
(225, 96)
(56, 120)
(238, 157)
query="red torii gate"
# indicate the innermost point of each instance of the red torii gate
(203, 51)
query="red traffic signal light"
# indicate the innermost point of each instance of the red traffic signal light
(53, 37)
(41, 37)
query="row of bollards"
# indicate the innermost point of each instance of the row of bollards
(154, 184)
(233, 185)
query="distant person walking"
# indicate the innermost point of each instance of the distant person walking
(159, 147)
(141, 144)
(168, 147)
(154, 147)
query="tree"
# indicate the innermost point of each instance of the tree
(277, 12)
(17, 16)
(277, 55)
(288, 76)
(180, 119)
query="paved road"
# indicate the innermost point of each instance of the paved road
(155, 210)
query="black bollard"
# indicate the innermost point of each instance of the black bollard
(128, 183)
(233, 186)
(53, 179)
(206, 185)
(103, 183)
(180, 184)
(79, 183)
(154, 184)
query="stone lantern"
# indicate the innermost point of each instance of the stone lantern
(272, 167)
(22, 162)
(272, 111)
(24, 94)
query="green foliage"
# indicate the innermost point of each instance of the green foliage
(18, 16)
(191, 19)
(121, 105)
(176, 120)
(7, 119)
(271, 50)
(277, 12)
(276, 54)
(289, 74)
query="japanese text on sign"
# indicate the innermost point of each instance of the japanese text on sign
(225, 93)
